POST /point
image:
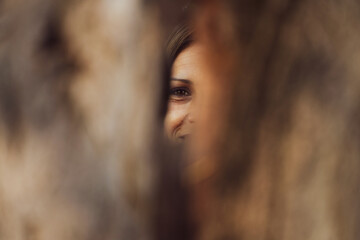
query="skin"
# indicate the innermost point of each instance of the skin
(188, 80)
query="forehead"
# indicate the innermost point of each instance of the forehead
(190, 63)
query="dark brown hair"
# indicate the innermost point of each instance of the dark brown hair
(180, 39)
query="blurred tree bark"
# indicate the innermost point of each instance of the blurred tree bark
(77, 81)
(285, 157)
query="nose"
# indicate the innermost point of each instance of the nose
(191, 115)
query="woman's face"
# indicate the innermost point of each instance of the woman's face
(186, 86)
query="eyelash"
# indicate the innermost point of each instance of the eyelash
(180, 93)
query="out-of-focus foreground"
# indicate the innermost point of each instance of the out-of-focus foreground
(276, 152)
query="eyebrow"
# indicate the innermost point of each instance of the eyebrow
(181, 80)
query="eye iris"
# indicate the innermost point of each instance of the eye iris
(181, 92)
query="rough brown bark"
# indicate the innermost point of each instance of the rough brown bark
(78, 116)
(285, 160)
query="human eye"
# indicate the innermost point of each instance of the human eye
(180, 93)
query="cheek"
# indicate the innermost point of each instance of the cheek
(174, 117)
